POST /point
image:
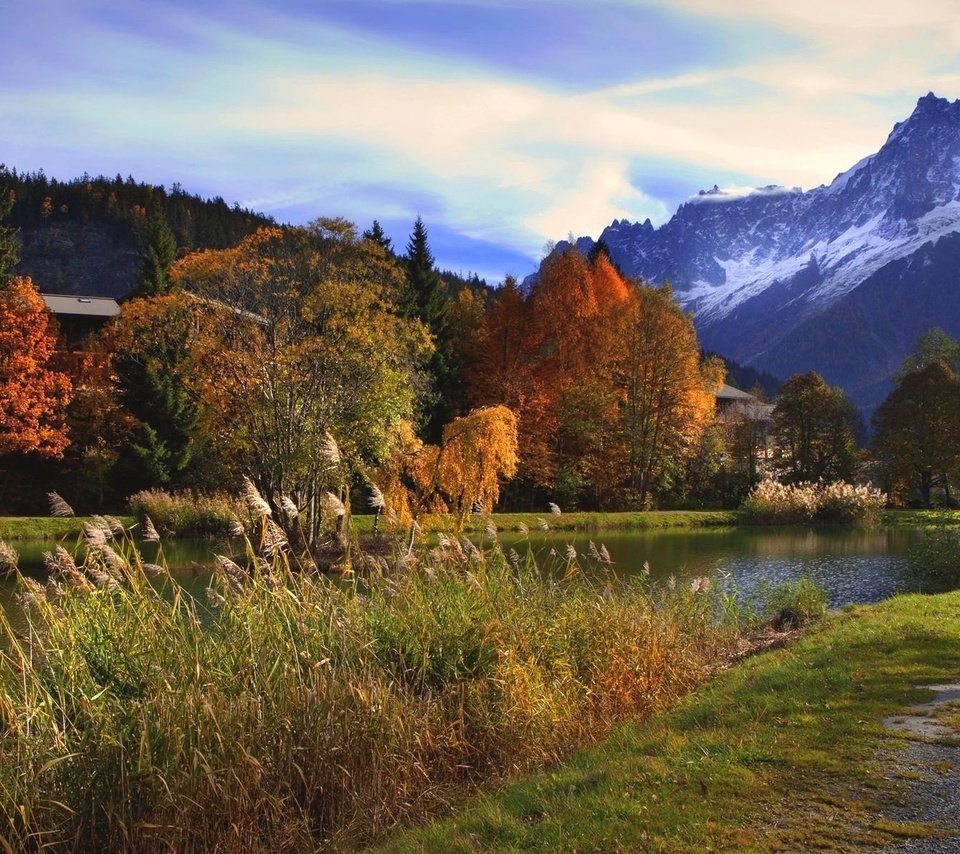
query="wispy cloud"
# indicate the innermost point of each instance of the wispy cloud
(506, 123)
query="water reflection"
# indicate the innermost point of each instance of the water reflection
(852, 565)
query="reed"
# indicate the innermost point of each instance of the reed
(289, 711)
(185, 514)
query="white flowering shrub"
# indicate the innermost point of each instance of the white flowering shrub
(774, 503)
(844, 502)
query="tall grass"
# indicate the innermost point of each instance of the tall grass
(290, 712)
(187, 515)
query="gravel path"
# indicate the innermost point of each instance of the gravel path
(927, 772)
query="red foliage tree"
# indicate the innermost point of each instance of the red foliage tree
(33, 398)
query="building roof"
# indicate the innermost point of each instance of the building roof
(83, 306)
(728, 392)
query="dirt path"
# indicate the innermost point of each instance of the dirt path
(925, 765)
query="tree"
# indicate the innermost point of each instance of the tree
(478, 451)
(9, 245)
(814, 428)
(153, 342)
(424, 299)
(917, 437)
(668, 397)
(298, 339)
(379, 236)
(424, 295)
(33, 397)
(157, 255)
(933, 344)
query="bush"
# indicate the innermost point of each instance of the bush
(803, 600)
(774, 503)
(844, 502)
(185, 514)
(935, 558)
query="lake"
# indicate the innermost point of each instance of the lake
(852, 565)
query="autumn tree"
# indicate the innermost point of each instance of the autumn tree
(33, 397)
(814, 427)
(299, 338)
(917, 438)
(478, 451)
(668, 394)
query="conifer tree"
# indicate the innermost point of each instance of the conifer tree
(425, 297)
(9, 245)
(158, 254)
(379, 236)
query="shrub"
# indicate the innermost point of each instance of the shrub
(844, 502)
(185, 514)
(935, 558)
(775, 503)
(771, 502)
(803, 599)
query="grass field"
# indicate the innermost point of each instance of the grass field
(774, 755)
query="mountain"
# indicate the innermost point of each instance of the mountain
(841, 278)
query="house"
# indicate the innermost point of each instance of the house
(747, 423)
(79, 316)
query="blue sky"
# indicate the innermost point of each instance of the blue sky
(504, 123)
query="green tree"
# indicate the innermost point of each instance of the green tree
(814, 427)
(153, 340)
(424, 297)
(933, 344)
(9, 244)
(917, 439)
(157, 255)
(379, 236)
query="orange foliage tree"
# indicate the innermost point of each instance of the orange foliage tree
(33, 398)
(605, 376)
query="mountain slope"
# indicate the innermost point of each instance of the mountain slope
(767, 274)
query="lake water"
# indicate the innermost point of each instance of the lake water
(852, 565)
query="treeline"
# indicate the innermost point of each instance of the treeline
(260, 357)
(124, 205)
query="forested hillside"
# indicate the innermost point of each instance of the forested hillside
(84, 236)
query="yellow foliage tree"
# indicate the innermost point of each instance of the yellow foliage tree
(478, 451)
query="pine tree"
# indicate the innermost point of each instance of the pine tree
(9, 245)
(425, 299)
(158, 254)
(425, 296)
(379, 236)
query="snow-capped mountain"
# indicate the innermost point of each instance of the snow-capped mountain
(840, 279)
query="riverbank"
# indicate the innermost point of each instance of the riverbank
(49, 528)
(14, 528)
(783, 752)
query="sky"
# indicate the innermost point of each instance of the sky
(505, 124)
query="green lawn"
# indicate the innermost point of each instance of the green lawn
(44, 527)
(773, 755)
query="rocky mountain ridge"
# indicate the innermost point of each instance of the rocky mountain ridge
(766, 272)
